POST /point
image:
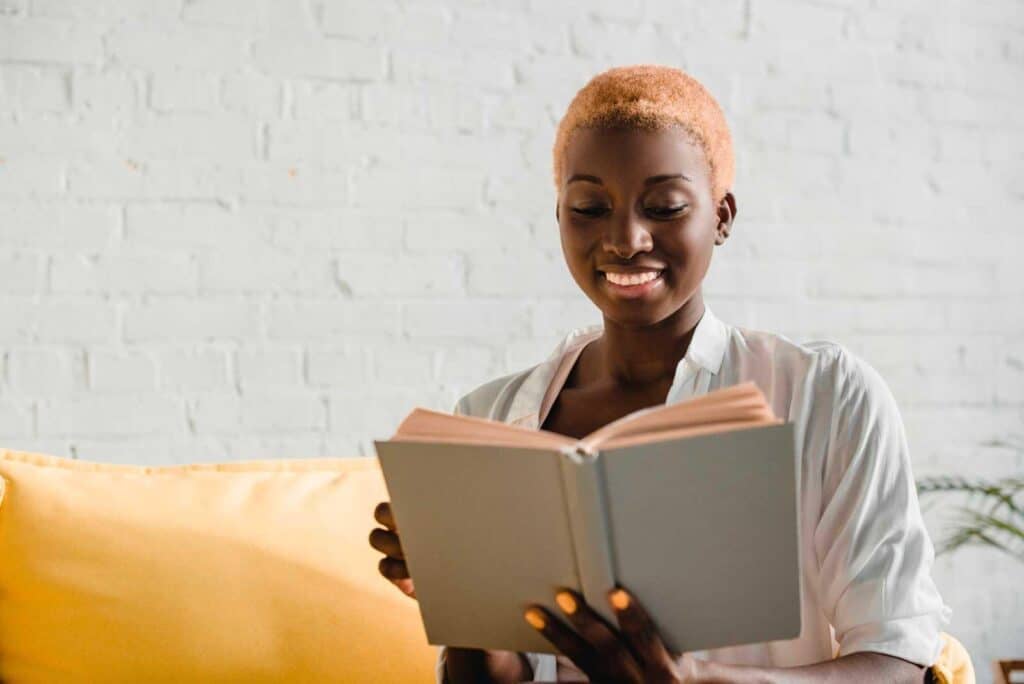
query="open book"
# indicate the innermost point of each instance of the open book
(691, 506)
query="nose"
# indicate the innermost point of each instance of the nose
(627, 236)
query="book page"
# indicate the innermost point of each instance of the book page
(717, 411)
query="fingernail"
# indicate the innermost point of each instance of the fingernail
(535, 618)
(566, 602)
(619, 599)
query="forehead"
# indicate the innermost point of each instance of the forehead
(625, 155)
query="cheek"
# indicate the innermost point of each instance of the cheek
(689, 251)
(576, 249)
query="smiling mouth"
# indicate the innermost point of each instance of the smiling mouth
(633, 284)
(632, 278)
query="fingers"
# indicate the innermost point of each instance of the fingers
(592, 627)
(386, 542)
(382, 514)
(640, 634)
(564, 639)
(593, 646)
(393, 565)
(393, 569)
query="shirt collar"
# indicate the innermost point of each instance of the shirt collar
(706, 350)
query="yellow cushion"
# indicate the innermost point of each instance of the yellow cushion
(954, 664)
(257, 571)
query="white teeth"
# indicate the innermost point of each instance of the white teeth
(631, 279)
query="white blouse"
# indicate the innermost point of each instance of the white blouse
(865, 555)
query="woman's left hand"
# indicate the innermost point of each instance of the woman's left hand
(632, 653)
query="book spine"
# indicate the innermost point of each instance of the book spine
(584, 494)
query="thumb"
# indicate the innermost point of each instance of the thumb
(405, 586)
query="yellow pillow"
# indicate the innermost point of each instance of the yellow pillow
(257, 571)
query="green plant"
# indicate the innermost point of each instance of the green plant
(992, 516)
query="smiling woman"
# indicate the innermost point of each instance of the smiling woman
(643, 166)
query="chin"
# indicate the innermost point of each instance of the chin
(634, 314)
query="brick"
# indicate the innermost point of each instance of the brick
(343, 365)
(133, 414)
(17, 420)
(540, 275)
(551, 320)
(370, 274)
(190, 136)
(476, 231)
(264, 271)
(247, 448)
(465, 363)
(318, 58)
(65, 320)
(325, 101)
(50, 42)
(189, 226)
(251, 95)
(184, 91)
(319, 319)
(485, 70)
(269, 367)
(306, 185)
(191, 370)
(167, 47)
(301, 229)
(118, 370)
(247, 14)
(52, 138)
(194, 320)
(24, 273)
(370, 415)
(354, 19)
(400, 365)
(45, 371)
(424, 188)
(13, 8)
(110, 91)
(439, 108)
(473, 318)
(281, 412)
(29, 178)
(130, 450)
(893, 278)
(166, 273)
(33, 89)
(108, 10)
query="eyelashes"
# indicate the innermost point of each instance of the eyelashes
(661, 212)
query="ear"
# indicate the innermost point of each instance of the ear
(557, 203)
(726, 215)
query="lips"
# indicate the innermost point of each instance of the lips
(631, 278)
(633, 284)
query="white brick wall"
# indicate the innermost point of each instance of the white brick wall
(267, 228)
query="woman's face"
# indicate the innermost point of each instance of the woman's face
(638, 222)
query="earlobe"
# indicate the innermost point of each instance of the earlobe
(726, 215)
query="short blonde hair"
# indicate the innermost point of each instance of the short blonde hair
(651, 97)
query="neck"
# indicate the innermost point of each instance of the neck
(647, 354)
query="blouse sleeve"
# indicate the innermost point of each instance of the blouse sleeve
(545, 667)
(873, 550)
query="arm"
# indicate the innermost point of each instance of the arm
(473, 665)
(873, 551)
(856, 667)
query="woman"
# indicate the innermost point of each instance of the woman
(643, 166)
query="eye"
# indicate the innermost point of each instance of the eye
(595, 210)
(666, 211)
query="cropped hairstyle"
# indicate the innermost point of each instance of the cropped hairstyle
(651, 97)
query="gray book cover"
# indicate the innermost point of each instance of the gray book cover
(702, 529)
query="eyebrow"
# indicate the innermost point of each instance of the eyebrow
(649, 181)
